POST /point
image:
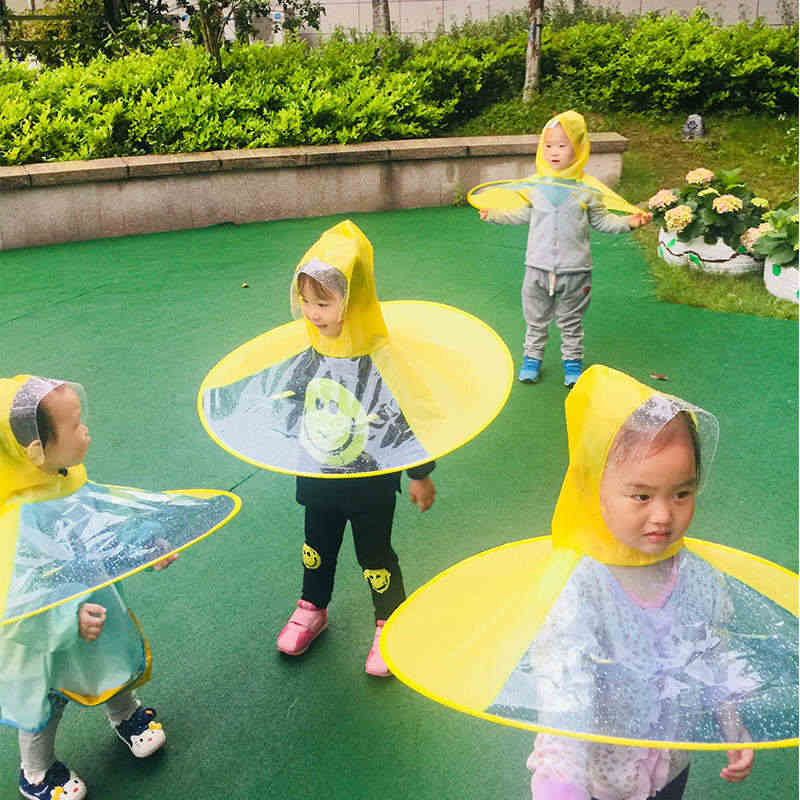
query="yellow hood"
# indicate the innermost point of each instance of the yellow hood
(574, 126)
(345, 248)
(596, 408)
(18, 474)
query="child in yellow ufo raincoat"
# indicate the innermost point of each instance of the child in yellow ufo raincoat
(634, 642)
(563, 204)
(62, 535)
(334, 290)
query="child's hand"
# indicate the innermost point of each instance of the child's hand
(642, 218)
(484, 214)
(740, 765)
(91, 618)
(165, 562)
(422, 492)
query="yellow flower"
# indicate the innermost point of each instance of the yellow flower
(760, 202)
(676, 219)
(661, 199)
(700, 175)
(726, 203)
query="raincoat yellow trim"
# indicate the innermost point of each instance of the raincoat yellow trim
(139, 680)
(474, 643)
(415, 384)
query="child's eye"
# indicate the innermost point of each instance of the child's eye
(641, 498)
(684, 493)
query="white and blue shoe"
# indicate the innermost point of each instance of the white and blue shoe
(573, 369)
(59, 783)
(140, 733)
(529, 373)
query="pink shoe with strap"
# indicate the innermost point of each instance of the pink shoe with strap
(375, 664)
(306, 623)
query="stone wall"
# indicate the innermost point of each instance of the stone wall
(77, 200)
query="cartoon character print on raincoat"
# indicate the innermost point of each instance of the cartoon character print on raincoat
(65, 541)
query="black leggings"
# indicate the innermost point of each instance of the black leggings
(674, 789)
(372, 537)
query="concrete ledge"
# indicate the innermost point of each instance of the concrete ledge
(74, 200)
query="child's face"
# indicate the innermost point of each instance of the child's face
(323, 312)
(69, 438)
(558, 150)
(648, 502)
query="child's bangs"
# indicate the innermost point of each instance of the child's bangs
(656, 422)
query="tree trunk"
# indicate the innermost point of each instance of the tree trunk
(533, 50)
(381, 24)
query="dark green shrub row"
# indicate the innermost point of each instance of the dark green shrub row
(671, 64)
(372, 88)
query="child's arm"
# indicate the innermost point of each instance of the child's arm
(520, 216)
(422, 492)
(740, 762)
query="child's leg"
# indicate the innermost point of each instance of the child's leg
(324, 529)
(573, 298)
(372, 536)
(121, 706)
(538, 306)
(37, 750)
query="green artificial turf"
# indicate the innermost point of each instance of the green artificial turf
(140, 320)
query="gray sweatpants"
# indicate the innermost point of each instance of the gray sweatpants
(566, 297)
(37, 751)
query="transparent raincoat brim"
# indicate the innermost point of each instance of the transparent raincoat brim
(466, 666)
(380, 397)
(99, 535)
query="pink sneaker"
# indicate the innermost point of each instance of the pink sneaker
(375, 664)
(306, 623)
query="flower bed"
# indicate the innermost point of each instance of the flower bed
(706, 223)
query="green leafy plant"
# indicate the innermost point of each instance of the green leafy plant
(777, 237)
(711, 206)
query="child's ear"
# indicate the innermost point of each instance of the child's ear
(35, 451)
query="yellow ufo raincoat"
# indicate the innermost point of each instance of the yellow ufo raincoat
(551, 641)
(509, 195)
(66, 540)
(395, 389)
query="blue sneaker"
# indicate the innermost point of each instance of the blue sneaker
(140, 733)
(530, 370)
(59, 782)
(573, 368)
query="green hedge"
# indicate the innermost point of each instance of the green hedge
(380, 88)
(671, 64)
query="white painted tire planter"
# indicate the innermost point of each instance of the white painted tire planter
(783, 282)
(717, 257)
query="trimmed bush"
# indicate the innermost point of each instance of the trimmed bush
(368, 88)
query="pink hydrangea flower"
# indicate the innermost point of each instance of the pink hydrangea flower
(676, 219)
(662, 199)
(748, 238)
(700, 175)
(726, 203)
